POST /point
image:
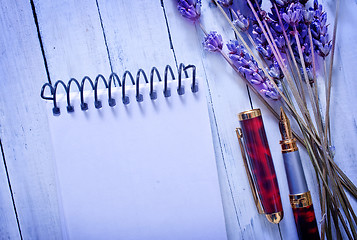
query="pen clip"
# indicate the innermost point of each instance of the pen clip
(249, 174)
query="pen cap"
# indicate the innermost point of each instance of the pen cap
(261, 164)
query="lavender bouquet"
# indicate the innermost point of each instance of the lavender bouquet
(279, 64)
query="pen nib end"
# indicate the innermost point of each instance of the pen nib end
(284, 125)
(283, 116)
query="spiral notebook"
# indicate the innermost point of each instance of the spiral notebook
(134, 158)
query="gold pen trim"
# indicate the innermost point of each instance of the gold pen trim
(288, 142)
(300, 200)
(249, 114)
(249, 175)
(275, 217)
(288, 145)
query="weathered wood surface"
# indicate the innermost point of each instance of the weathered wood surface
(91, 37)
(25, 140)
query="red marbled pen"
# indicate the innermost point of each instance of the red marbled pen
(300, 197)
(262, 178)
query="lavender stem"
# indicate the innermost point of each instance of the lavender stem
(315, 80)
(307, 81)
(294, 72)
(202, 28)
(328, 97)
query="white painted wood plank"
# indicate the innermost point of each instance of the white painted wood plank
(72, 38)
(136, 35)
(228, 98)
(8, 228)
(24, 130)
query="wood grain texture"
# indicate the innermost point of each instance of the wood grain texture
(136, 35)
(91, 37)
(72, 38)
(9, 228)
(24, 130)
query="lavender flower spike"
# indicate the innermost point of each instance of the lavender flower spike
(275, 71)
(322, 44)
(189, 9)
(213, 42)
(241, 23)
(294, 14)
(250, 70)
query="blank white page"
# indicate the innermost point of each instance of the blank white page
(145, 170)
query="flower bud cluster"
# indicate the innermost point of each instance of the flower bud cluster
(248, 67)
(190, 9)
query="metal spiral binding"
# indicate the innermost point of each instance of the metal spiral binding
(114, 78)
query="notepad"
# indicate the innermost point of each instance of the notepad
(142, 170)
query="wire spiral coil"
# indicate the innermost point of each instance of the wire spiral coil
(114, 79)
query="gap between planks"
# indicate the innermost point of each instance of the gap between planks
(10, 189)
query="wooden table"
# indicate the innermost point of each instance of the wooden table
(45, 41)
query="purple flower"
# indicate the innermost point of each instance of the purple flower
(189, 9)
(319, 27)
(248, 67)
(274, 25)
(225, 3)
(306, 50)
(319, 30)
(241, 23)
(293, 14)
(258, 35)
(213, 42)
(323, 47)
(280, 42)
(266, 52)
(275, 71)
(269, 91)
(235, 48)
(309, 15)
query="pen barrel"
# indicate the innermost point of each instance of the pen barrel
(294, 173)
(305, 221)
(261, 164)
(300, 198)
